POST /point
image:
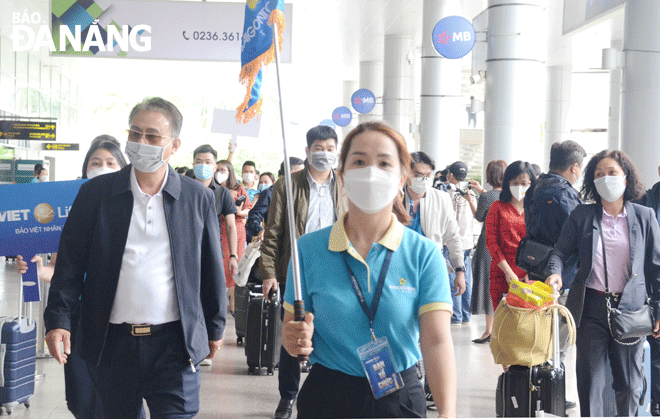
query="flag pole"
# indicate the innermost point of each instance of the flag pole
(299, 304)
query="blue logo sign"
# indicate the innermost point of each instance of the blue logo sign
(342, 116)
(31, 219)
(453, 37)
(363, 101)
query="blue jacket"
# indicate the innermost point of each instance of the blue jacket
(92, 245)
(547, 206)
(258, 213)
(581, 233)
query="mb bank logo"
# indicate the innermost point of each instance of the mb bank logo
(76, 29)
(453, 37)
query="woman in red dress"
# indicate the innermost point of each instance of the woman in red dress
(505, 226)
(227, 178)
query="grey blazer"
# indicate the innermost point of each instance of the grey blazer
(580, 234)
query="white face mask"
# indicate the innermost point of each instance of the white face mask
(248, 177)
(371, 189)
(518, 191)
(43, 178)
(103, 170)
(611, 188)
(322, 160)
(421, 185)
(221, 177)
(146, 158)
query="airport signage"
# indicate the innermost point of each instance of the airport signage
(342, 116)
(61, 146)
(32, 216)
(27, 130)
(363, 101)
(453, 37)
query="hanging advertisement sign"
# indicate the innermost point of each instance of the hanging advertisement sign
(363, 101)
(342, 116)
(453, 37)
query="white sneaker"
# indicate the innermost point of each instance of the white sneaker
(206, 363)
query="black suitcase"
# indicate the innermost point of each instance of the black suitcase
(242, 296)
(264, 333)
(524, 391)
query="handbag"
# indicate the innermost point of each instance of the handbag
(523, 336)
(625, 324)
(251, 254)
(532, 256)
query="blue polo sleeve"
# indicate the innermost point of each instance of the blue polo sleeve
(289, 295)
(434, 286)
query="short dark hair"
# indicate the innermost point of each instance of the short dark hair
(232, 183)
(421, 157)
(249, 163)
(634, 188)
(182, 170)
(203, 149)
(37, 168)
(321, 132)
(106, 142)
(161, 105)
(293, 161)
(514, 170)
(565, 154)
(495, 173)
(537, 170)
(190, 173)
(269, 174)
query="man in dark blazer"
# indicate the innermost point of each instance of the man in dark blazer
(141, 251)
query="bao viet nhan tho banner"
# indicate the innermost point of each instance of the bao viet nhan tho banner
(207, 31)
(31, 219)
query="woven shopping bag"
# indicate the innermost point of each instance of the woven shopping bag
(523, 336)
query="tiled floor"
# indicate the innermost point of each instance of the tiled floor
(228, 392)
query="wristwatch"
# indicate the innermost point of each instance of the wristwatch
(460, 269)
(233, 256)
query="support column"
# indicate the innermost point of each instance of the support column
(640, 94)
(514, 74)
(557, 104)
(350, 86)
(371, 77)
(614, 119)
(399, 84)
(441, 90)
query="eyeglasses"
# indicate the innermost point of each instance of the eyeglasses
(137, 135)
(425, 178)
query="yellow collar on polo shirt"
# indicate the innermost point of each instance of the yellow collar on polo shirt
(339, 240)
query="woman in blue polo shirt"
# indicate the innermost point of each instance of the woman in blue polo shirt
(372, 289)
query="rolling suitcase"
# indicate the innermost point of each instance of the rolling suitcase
(264, 333)
(18, 350)
(242, 296)
(534, 391)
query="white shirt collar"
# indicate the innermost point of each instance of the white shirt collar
(135, 186)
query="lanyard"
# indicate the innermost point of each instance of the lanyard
(370, 313)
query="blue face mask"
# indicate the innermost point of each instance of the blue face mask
(203, 171)
(263, 187)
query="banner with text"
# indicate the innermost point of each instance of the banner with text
(206, 31)
(31, 219)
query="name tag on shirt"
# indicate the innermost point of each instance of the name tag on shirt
(380, 367)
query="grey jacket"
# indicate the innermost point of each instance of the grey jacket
(580, 234)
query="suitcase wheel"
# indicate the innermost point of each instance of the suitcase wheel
(27, 405)
(270, 370)
(239, 341)
(250, 370)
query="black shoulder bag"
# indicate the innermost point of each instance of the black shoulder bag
(532, 256)
(636, 324)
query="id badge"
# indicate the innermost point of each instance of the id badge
(380, 367)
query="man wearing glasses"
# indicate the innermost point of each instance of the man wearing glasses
(141, 250)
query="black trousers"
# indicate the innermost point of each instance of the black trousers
(329, 393)
(154, 368)
(594, 346)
